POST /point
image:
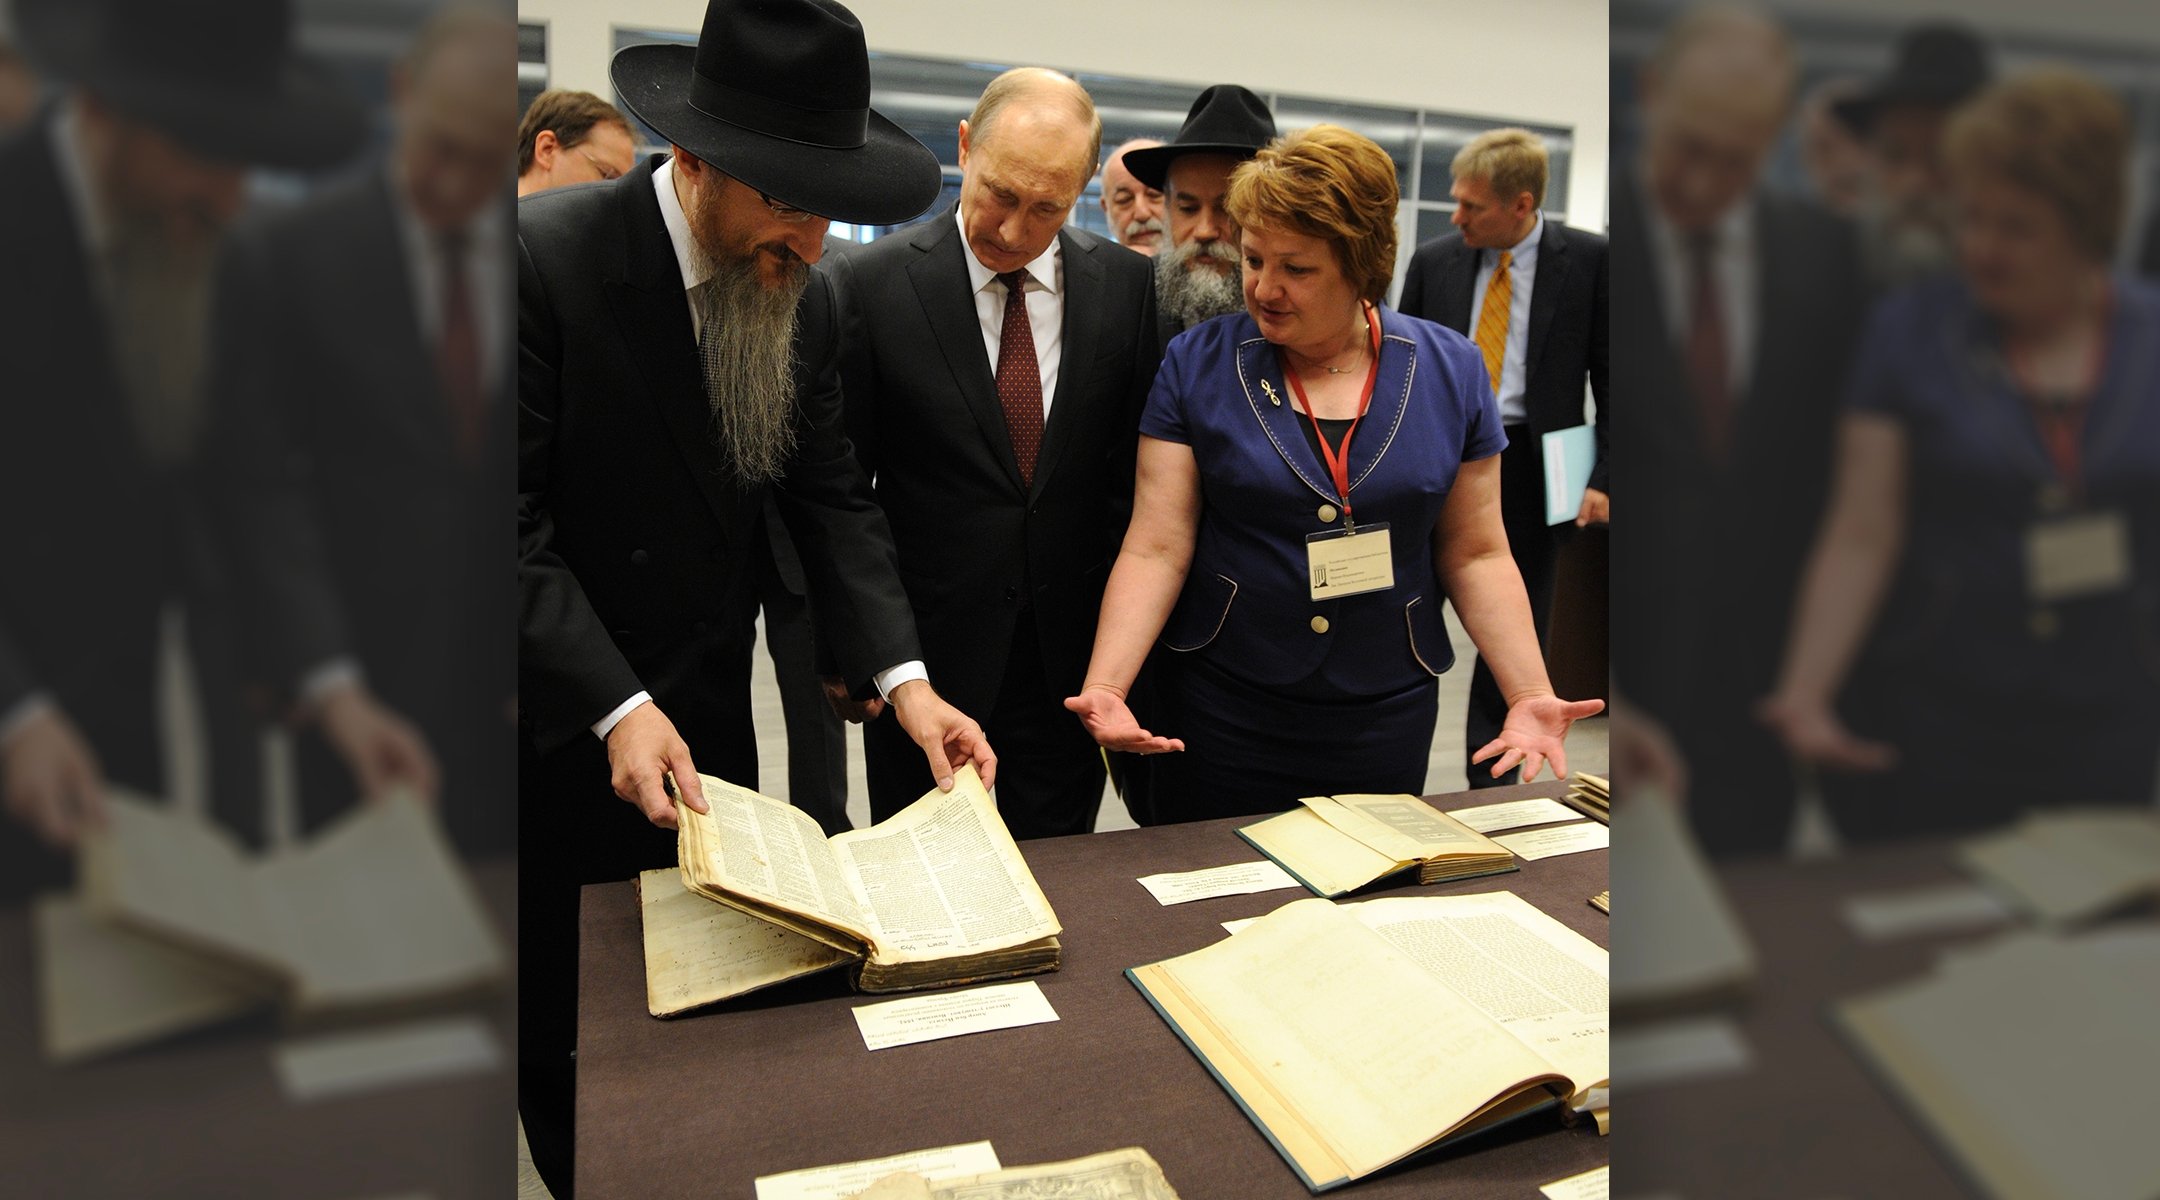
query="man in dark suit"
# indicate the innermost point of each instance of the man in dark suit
(995, 361)
(1737, 315)
(111, 206)
(676, 367)
(1532, 294)
(365, 450)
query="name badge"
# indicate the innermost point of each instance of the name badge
(2081, 555)
(1350, 564)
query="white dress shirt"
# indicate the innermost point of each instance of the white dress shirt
(678, 230)
(1734, 269)
(1045, 308)
(1522, 276)
(488, 273)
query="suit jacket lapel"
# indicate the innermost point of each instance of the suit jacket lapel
(1390, 397)
(1462, 289)
(1082, 329)
(414, 391)
(1551, 277)
(1259, 370)
(654, 318)
(1664, 397)
(947, 296)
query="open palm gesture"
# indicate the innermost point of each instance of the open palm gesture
(1536, 732)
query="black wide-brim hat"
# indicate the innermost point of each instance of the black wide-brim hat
(1938, 66)
(1226, 119)
(776, 94)
(219, 77)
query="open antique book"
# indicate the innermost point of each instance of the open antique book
(1337, 844)
(1681, 945)
(1356, 1036)
(2074, 865)
(935, 895)
(178, 925)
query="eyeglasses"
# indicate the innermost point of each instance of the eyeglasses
(606, 171)
(786, 212)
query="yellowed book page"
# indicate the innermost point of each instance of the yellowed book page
(102, 989)
(1678, 936)
(1404, 828)
(167, 875)
(1374, 1055)
(2072, 866)
(698, 952)
(378, 910)
(942, 877)
(769, 852)
(1544, 982)
(1331, 861)
(1128, 1174)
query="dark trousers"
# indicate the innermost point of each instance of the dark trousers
(816, 736)
(1049, 771)
(1536, 547)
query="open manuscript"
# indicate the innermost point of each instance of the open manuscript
(935, 895)
(1337, 844)
(1356, 1036)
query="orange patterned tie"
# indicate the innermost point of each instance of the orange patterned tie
(1492, 322)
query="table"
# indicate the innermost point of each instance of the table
(779, 1080)
(1808, 1121)
(203, 1115)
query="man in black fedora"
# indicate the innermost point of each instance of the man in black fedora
(112, 203)
(676, 367)
(995, 361)
(1905, 219)
(1201, 275)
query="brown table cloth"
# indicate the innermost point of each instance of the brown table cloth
(202, 1114)
(1808, 1121)
(779, 1080)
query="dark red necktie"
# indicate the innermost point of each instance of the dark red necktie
(1019, 379)
(457, 354)
(1709, 373)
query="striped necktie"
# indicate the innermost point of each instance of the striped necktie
(1493, 321)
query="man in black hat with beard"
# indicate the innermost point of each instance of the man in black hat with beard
(1905, 215)
(111, 205)
(676, 367)
(1200, 276)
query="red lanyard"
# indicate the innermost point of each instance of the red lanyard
(1338, 462)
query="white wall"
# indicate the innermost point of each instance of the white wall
(1541, 61)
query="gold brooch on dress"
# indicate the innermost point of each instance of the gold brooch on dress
(1269, 388)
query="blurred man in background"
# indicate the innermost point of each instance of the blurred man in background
(111, 205)
(1533, 295)
(1133, 209)
(1906, 215)
(571, 137)
(364, 449)
(1734, 317)
(1202, 276)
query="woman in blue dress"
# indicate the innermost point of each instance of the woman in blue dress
(1997, 500)
(1315, 477)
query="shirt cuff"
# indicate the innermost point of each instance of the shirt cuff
(17, 716)
(602, 727)
(328, 675)
(892, 677)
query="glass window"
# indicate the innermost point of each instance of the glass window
(1395, 129)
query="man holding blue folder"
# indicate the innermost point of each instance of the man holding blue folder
(1532, 295)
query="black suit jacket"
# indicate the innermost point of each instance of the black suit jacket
(1568, 335)
(923, 409)
(633, 538)
(355, 525)
(1712, 552)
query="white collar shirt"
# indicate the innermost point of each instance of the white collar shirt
(1045, 298)
(678, 232)
(1514, 355)
(1733, 268)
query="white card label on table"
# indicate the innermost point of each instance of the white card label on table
(1514, 814)
(1535, 844)
(928, 1018)
(1686, 1051)
(848, 1179)
(345, 1064)
(1236, 927)
(1590, 1185)
(1951, 908)
(1237, 879)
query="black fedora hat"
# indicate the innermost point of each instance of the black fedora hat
(220, 77)
(1938, 66)
(777, 94)
(1226, 119)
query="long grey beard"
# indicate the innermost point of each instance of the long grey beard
(1190, 297)
(746, 344)
(1903, 244)
(159, 302)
